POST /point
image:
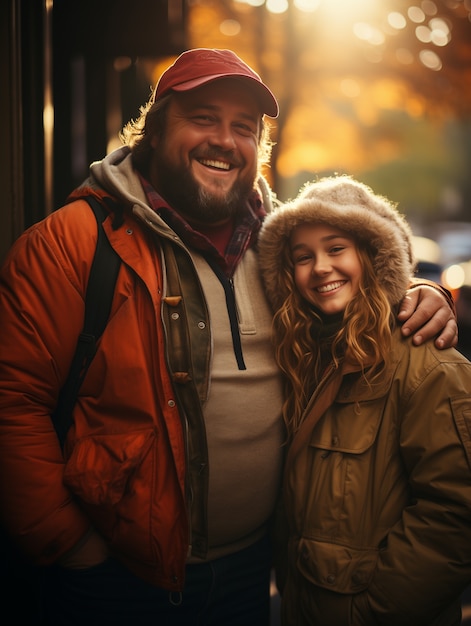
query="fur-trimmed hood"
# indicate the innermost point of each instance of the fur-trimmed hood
(352, 206)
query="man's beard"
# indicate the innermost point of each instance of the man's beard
(178, 187)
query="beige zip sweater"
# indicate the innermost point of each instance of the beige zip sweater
(242, 413)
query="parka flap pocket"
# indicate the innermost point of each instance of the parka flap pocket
(343, 569)
(100, 467)
(349, 429)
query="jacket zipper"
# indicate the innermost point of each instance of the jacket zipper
(229, 292)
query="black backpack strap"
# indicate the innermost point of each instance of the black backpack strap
(98, 299)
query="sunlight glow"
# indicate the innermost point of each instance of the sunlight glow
(252, 3)
(308, 6)
(277, 6)
(362, 18)
(374, 55)
(368, 33)
(350, 87)
(348, 10)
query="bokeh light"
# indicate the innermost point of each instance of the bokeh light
(277, 6)
(454, 276)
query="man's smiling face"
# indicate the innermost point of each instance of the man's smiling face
(205, 164)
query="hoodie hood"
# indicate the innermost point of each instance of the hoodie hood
(116, 174)
(353, 207)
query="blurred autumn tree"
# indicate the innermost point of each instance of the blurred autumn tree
(377, 88)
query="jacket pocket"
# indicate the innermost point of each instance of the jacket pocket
(349, 428)
(327, 585)
(339, 568)
(100, 468)
(331, 482)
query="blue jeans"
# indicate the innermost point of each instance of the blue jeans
(230, 591)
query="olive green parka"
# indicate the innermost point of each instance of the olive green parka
(378, 496)
(375, 523)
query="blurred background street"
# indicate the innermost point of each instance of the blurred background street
(380, 89)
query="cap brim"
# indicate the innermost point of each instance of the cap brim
(264, 96)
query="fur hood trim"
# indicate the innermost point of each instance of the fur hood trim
(353, 207)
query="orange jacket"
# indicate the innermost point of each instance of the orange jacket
(131, 482)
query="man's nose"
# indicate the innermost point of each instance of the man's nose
(223, 136)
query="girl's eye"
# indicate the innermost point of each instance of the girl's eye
(301, 259)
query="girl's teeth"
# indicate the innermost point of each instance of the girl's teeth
(330, 287)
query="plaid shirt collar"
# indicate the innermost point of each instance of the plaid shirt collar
(244, 235)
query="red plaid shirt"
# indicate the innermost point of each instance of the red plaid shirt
(244, 235)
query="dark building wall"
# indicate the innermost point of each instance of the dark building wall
(68, 53)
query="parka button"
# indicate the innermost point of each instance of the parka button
(201, 325)
(331, 579)
(171, 403)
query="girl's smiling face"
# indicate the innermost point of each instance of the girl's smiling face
(327, 266)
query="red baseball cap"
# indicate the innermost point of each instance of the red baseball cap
(200, 66)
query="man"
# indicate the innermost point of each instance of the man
(157, 511)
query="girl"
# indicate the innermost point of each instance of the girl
(377, 489)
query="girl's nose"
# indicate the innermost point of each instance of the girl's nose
(321, 265)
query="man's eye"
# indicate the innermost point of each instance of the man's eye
(203, 119)
(244, 128)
